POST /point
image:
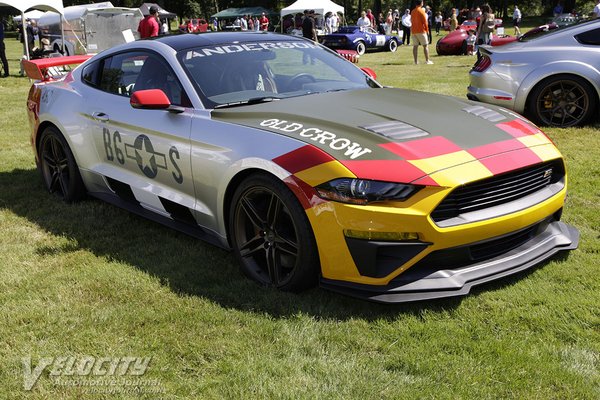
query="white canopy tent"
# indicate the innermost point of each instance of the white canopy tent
(24, 5)
(320, 6)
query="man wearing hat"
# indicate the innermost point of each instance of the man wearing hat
(148, 27)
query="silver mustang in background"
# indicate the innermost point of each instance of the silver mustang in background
(553, 78)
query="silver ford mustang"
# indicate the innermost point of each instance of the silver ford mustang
(302, 164)
(553, 78)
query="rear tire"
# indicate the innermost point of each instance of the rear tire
(60, 172)
(361, 48)
(271, 236)
(562, 101)
(392, 45)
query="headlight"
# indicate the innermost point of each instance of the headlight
(362, 191)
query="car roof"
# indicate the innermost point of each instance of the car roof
(188, 40)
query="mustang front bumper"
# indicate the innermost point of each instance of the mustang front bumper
(454, 271)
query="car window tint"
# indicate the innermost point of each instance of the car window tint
(590, 37)
(126, 73)
(90, 74)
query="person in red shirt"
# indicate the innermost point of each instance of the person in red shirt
(149, 27)
(264, 22)
(419, 30)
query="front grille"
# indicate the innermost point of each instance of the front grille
(498, 190)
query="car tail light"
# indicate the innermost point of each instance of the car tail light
(482, 64)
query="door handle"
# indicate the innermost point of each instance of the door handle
(100, 116)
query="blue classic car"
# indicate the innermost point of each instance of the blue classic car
(359, 39)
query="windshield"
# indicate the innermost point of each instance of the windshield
(250, 72)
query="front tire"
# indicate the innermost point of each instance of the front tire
(58, 167)
(271, 236)
(361, 48)
(562, 101)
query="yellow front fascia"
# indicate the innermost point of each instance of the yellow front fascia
(329, 219)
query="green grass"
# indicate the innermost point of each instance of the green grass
(91, 279)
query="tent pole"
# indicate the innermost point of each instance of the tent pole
(25, 41)
(62, 33)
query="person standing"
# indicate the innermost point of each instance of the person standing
(406, 24)
(517, 21)
(429, 22)
(363, 21)
(372, 21)
(148, 27)
(264, 22)
(453, 20)
(486, 25)
(558, 10)
(3, 51)
(438, 22)
(308, 26)
(419, 30)
(596, 11)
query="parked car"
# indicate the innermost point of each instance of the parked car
(565, 20)
(231, 138)
(359, 39)
(552, 77)
(454, 44)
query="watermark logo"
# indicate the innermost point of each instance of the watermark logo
(114, 373)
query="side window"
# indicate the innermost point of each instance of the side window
(90, 74)
(590, 37)
(125, 73)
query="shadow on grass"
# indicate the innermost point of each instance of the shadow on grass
(184, 264)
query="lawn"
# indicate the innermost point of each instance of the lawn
(91, 280)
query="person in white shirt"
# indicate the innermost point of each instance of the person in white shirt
(363, 21)
(335, 22)
(596, 11)
(406, 24)
(517, 21)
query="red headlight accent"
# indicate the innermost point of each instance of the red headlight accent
(482, 64)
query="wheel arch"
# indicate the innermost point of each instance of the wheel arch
(237, 178)
(539, 75)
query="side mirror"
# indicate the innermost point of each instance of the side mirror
(369, 72)
(153, 99)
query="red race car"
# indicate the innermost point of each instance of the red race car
(454, 44)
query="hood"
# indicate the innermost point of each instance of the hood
(391, 126)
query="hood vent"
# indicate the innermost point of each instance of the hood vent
(485, 113)
(396, 130)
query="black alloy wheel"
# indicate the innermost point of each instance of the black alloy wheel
(562, 101)
(58, 167)
(271, 235)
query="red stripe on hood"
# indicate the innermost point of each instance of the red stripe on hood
(496, 148)
(422, 148)
(510, 161)
(400, 171)
(302, 158)
(518, 128)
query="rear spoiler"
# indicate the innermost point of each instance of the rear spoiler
(42, 68)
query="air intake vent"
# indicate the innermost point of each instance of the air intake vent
(485, 113)
(396, 130)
